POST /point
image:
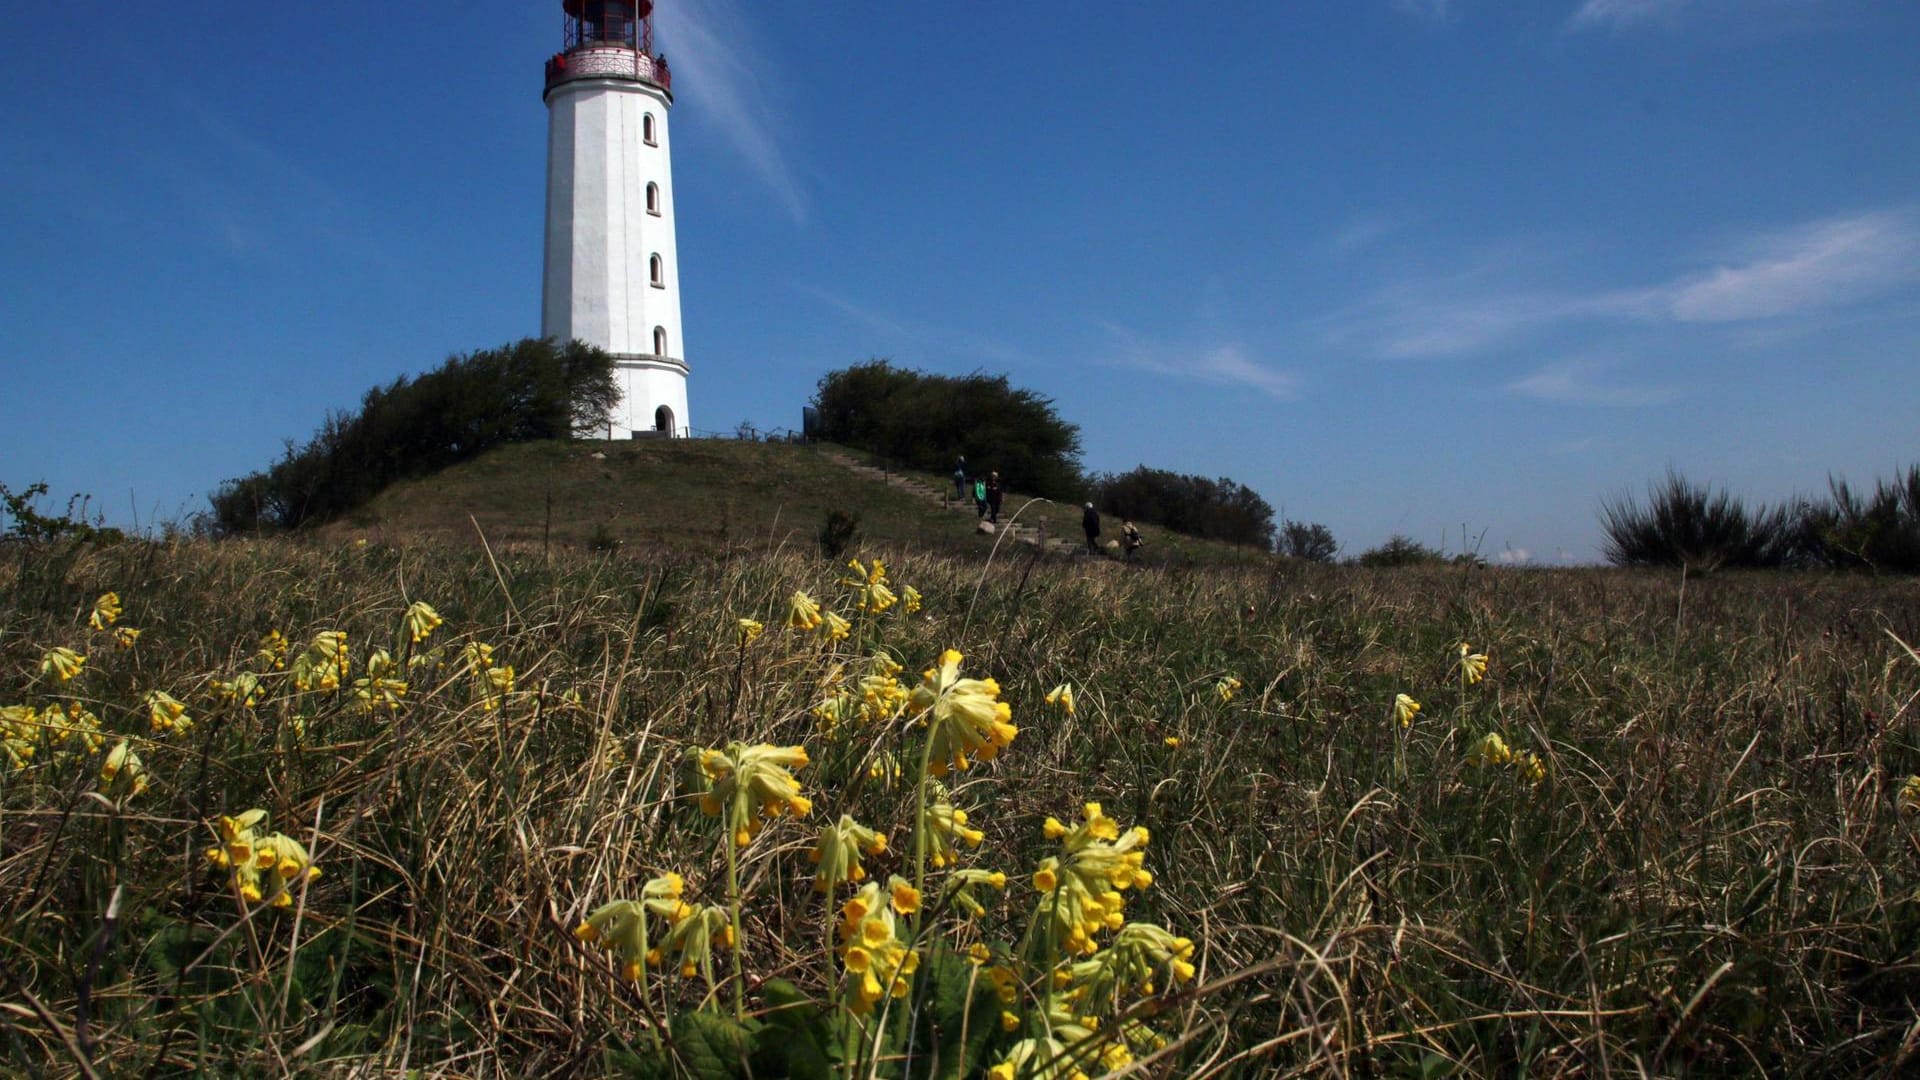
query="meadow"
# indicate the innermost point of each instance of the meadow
(1638, 824)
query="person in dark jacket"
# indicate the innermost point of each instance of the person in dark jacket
(993, 497)
(960, 478)
(1129, 537)
(1090, 524)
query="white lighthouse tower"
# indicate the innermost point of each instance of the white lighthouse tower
(612, 277)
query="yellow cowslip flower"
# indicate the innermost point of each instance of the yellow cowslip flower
(964, 717)
(478, 655)
(1226, 688)
(961, 886)
(909, 599)
(877, 962)
(870, 587)
(73, 723)
(125, 636)
(833, 711)
(245, 852)
(1530, 768)
(882, 696)
(121, 774)
(1081, 890)
(273, 651)
(106, 611)
(61, 663)
(1172, 742)
(323, 665)
(289, 863)
(833, 627)
(1404, 710)
(946, 827)
(836, 855)
(1138, 954)
(421, 621)
(1908, 799)
(496, 685)
(621, 924)
(1061, 697)
(243, 689)
(749, 629)
(1489, 749)
(1472, 665)
(883, 767)
(19, 734)
(167, 715)
(381, 688)
(689, 943)
(751, 785)
(802, 612)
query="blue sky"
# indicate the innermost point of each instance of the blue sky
(1401, 265)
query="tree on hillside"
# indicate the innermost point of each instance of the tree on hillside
(529, 390)
(1313, 542)
(1220, 509)
(926, 421)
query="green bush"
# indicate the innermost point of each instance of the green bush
(923, 421)
(1211, 509)
(1691, 525)
(529, 390)
(1878, 532)
(1400, 550)
(1312, 542)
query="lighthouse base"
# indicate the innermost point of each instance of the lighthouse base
(653, 398)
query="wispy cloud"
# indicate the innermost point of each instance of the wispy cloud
(1436, 10)
(1578, 382)
(1775, 274)
(1624, 13)
(1217, 364)
(718, 70)
(894, 331)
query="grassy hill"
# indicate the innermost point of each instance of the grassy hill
(703, 496)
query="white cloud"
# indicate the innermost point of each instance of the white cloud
(1574, 382)
(1514, 557)
(1814, 266)
(1624, 13)
(1799, 271)
(1219, 365)
(717, 69)
(1437, 10)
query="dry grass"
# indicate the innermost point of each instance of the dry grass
(1713, 878)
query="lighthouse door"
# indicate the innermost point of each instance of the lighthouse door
(663, 420)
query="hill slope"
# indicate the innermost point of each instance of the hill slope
(704, 495)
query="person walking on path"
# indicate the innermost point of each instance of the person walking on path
(980, 497)
(960, 478)
(1130, 537)
(1090, 524)
(993, 497)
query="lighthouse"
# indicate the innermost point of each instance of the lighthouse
(611, 275)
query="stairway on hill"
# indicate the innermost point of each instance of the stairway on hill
(938, 494)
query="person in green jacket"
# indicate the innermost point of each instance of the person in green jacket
(980, 495)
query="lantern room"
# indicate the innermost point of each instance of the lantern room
(609, 22)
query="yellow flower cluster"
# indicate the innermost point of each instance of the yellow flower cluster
(964, 717)
(1405, 710)
(61, 664)
(421, 621)
(1472, 665)
(878, 963)
(909, 599)
(751, 785)
(1489, 749)
(381, 688)
(1139, 953)
(622, 924)
(1227, 689)
(121, 774)
(243, 689)
(248, 855)
(960, 889)
(837, 853)
(1081, 892)
(167, 715)
(944, 826)
(1908, 799)
(871, 593)
(802, 613)
(106, 611)
(323, 665)
(1061, 697)
(749, 629)
(273, 651)
(19, 734)
(492, 682)
(125, 636)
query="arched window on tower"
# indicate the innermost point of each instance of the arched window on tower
(659, 341)
(657, 271)
(653, 199)
(646, 130)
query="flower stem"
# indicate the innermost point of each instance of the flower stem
(733, 910)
